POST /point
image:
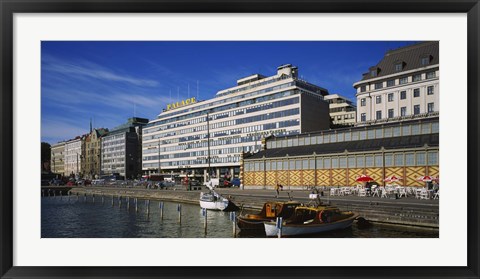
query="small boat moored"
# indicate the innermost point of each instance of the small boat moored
(270, 211)
(311, 220)
(214, 201)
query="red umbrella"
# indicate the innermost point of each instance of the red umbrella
(392, 178)
(425, 178)
(364, 178)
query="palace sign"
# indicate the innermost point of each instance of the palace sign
(181, 104)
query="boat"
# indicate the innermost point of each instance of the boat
(311, 220)
(270, 211)
(213, 201)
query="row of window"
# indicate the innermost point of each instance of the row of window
(401, 81)
(398, 159)
(190, 163)
(403, 112)
(403, 96)
(355, 134)
(156, 126)
(201, 109)
(229, 123)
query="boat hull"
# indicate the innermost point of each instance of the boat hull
(303, 229)
(216, 205)
(245, 224)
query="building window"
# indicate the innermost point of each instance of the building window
(416, 109)
(363, 102)
(430, 107)
(416, 92)
(417, 77)
(378, 99)
(373, 73)
(432, 158)
(390, 82)
(398, 67)
(403, 80)
(390, 113)
(390, 97)
(430, 75)
(379, 114)
(379, 85)
(388, 160)
(425, 61)
(420, 158)
(403, 111)
(430, 90)
(403, 95)
(363, 88)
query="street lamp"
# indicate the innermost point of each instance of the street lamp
(159, 162)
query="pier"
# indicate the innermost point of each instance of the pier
(410, 212)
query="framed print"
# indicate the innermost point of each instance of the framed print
(342, 186)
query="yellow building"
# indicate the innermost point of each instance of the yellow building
(405, 148)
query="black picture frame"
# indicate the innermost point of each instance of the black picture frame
(10, 7)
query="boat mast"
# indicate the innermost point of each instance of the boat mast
(208, 143)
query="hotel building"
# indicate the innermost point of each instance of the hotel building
(121, 149)
(403, 83)
(239, 119)
(408, 149)
(57, 158)
(342, 110)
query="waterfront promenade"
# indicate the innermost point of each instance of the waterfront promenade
(404, 211)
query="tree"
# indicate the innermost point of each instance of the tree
(45, 156)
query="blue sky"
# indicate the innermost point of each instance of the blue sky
(110, 82)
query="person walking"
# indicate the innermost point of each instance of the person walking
(278, 187)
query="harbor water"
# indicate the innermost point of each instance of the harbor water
(89, 217)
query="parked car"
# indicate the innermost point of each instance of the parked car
(56, 182)
(165, 184)
(236, 182)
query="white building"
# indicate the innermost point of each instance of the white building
(57, 158)
(342, 110)
(73, 156)
(405, 82)
(239, 118)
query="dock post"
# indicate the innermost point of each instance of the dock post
(103, 200)
(60, 195)
(160, 204)
(204, 213)
(279, 226)
(77, 196)
(147, 204)
(93, 198)
(113, 200)
(136, 204)
(85, 197)
(54, 193)
(128, 203)
(233, 218)
(119, 201)
(179, 209)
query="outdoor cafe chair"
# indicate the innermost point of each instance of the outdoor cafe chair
(437, 194)
(402, 192)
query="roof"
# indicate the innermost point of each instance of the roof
(351, 146)
(410, 56)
